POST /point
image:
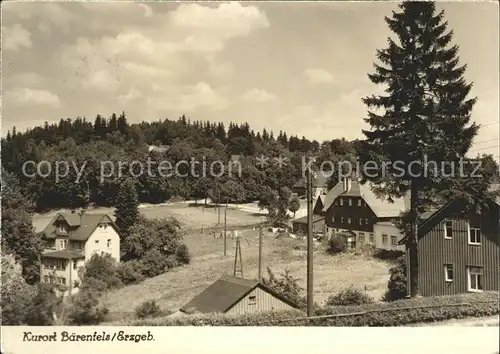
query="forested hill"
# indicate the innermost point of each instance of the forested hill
(92, 147)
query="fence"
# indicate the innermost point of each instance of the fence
(396, 309)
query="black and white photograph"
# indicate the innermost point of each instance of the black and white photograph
(171, 167)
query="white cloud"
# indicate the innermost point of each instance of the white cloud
(200, 95)
(227, 20)
(27, 96)
(44, 28)
(258, 95)
(27, 79)
(318, 76)
(131, 95)
(148, 12)
(101, 80)
(15, 38)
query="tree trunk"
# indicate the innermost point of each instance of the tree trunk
(413, 244)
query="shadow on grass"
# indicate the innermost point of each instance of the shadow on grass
(202, 204)
(387, 255)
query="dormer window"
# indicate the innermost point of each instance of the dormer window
(62, 228)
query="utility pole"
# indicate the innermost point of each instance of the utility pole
(225, 229)
(237, 253)
(260, 253)
(310, 245)
(218, 206)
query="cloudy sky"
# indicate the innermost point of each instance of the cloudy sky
(299, 67)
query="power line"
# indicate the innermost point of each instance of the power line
(485, 141)
(485, 148)
(486, 125)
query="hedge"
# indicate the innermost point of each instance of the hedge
(396, 313)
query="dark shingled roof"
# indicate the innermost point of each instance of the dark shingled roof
(64, 254)
(226, 292)
(303, 220)
(81, 226)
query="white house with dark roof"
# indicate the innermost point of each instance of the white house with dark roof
(71, 240)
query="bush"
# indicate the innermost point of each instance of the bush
(102, 268)
(43, 305)
(349, 296)
(393, 314)
(336, 245)
(147, 309)
(131, 272)
(154, 263)
(387, 255)
(182, 254)
(287, 286)
(86, 309)
(396, 286)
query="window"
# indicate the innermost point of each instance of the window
(349, 220)
(360, 202)
(474, 235)
(62, 228)
(394, 241)
(63, 244)
(333, 218)
(372, 238)
(341, 201)
(77, 245)
(45, 278)
(342, 220)
(350, 201)
(75, 264)
(475, 275)
(366, 221)
(61, 280)
(448, 229)
(448, 272)
(384, 239)
(360, 221)
(96, 241)
(109, 243)
(252, 300)
(54, 263)
(361, 237)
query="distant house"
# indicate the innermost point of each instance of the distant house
(459, 252)
(353, 211)
(236, 296)
(300, 225)
(319, 184)
(71, 240)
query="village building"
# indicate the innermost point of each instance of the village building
(459, 252)
(71, 240)
(231, 295)
(354, 212)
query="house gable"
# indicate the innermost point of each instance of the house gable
(260, 299)
(103, 239)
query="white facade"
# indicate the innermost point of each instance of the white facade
(104, 239)
(387, 236)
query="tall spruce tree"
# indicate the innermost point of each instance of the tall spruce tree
(127, 206)
(425, 116)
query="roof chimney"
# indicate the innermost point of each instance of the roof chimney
(347, 181)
